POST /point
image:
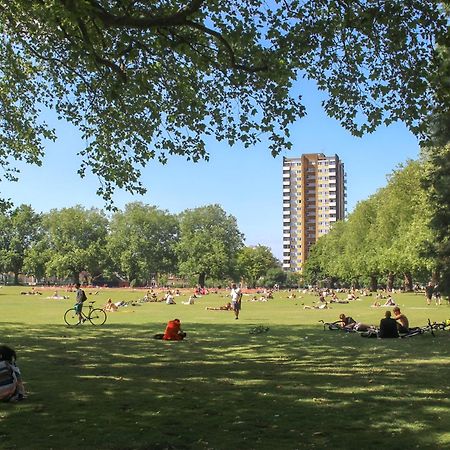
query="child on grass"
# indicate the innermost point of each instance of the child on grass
(11, 386)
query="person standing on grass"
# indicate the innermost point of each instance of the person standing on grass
(429, 288)
(80, 299)
(236, 299)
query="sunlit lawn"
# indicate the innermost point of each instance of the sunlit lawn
(296, 386)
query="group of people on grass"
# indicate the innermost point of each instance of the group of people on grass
(390, 326)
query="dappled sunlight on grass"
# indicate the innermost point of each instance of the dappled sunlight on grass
(294, 386)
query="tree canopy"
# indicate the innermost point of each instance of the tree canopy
(209, 243)
(386, 235)
(144, 80)
(141, 242)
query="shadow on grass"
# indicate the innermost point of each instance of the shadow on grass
(114, 387)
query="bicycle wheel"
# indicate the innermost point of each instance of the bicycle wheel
(71, 317)
(97, 316)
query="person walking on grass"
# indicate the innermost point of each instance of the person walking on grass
(236, 299)
(80, 299)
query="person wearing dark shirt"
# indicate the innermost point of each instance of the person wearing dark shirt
(429, 288)
(388, 327)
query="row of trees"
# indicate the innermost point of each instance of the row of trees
(387, 236)
(137, 244)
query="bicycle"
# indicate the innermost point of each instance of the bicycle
(95, 315)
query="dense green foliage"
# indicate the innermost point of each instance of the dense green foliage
(254, 263)
(437, 184)
(140, 245)
(144, 80)
(209, 243)
(19, 229)
(386, 236)
(141, 242)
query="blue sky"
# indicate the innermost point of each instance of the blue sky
(247, 183)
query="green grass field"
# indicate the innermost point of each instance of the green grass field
(293, 387)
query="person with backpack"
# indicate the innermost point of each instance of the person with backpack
(80, 299)
(11, 386)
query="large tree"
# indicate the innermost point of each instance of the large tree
(19, 231)
(76, 241)
(254, 262)
(436, 180)
(146, 79)
(142, 242)
(386, 235)
(209, 243)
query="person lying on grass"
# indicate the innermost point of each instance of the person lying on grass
(350, 324)
(11, 386)
(226, 307)
(346, 322)
(318, 306)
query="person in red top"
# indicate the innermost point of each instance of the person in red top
(173, 331)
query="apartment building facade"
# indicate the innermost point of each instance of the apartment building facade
(314, 198)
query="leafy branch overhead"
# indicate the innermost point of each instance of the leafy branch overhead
(146, 79)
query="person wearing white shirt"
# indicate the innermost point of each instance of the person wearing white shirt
(236, 296)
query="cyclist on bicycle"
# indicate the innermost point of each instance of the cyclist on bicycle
(80, 299)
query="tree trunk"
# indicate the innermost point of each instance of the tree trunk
(408, 282)
(16, 278)
(201, 279)
(373, 283)
(435, 276)
(76, 277)
(390, 281)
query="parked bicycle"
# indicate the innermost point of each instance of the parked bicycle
(95, 315)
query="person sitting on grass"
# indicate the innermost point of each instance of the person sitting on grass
(226, 307)
(11, 386)
(389, 301)
(388, 327)
(169, 299)
(173, 331)
(402, 321)
(336, 299)
(110, 306)
(189, 301)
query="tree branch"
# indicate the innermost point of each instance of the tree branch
(227, 47)
(145, 21)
